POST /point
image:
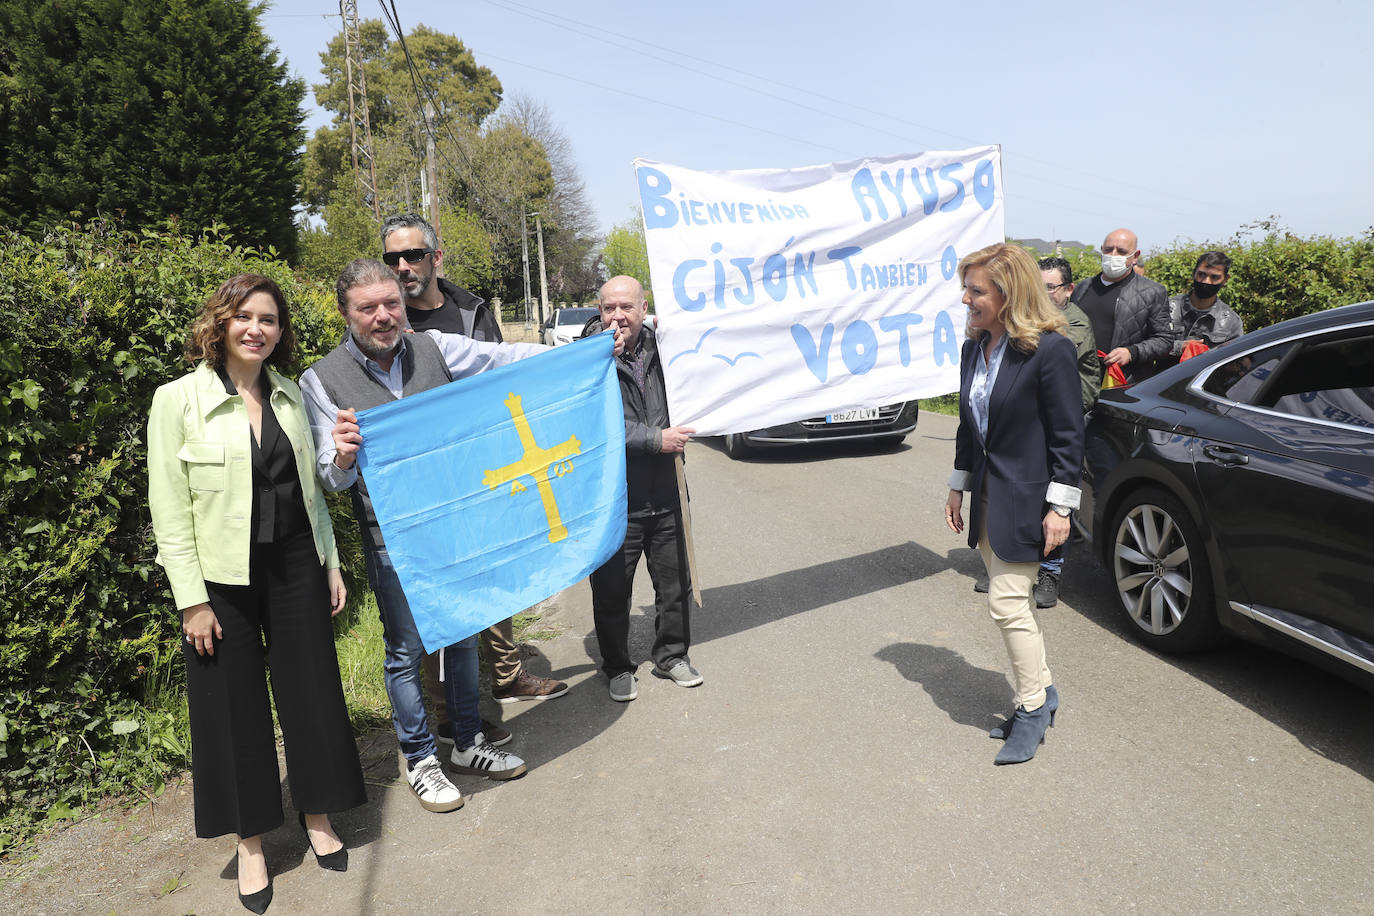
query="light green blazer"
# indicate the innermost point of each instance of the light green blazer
(200, 480)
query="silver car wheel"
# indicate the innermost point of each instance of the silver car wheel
(1153, 569)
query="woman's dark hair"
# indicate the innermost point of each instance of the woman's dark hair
(206, 339)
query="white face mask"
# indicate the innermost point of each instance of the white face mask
(1114, 266)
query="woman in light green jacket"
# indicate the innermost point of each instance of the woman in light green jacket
(244, 535)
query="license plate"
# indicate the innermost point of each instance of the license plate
(857, 415)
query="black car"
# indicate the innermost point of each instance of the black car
(890, 423)
(1234, 492)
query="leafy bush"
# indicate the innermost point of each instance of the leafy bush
(89, 636)
(1273, 278)
(1280, 275)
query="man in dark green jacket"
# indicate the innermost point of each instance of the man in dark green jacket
(1058, 276)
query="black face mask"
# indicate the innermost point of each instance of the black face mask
(1206, 290)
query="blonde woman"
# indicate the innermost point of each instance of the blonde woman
(1019, 453)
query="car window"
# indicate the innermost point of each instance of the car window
(1328, 379)
(574, 316)
(1242, 378)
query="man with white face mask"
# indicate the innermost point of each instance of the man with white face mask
(1129, 313)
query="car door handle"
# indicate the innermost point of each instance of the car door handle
(1226, 457)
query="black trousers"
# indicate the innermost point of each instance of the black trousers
(659, 539)
(280, 619)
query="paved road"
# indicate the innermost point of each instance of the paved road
(835, 760)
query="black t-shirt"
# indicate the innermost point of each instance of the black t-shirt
(1099, 304)
(447, 318)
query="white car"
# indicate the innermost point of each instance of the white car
(566, 324)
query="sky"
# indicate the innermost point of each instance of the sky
(1180, 121)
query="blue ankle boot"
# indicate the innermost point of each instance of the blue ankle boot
(1000, 732)
(1027, 734)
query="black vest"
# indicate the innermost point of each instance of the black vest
(351, 386)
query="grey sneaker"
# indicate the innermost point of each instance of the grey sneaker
(981, 585)
(680, 673)
(623, 688)
(432, 788)
(485, 759)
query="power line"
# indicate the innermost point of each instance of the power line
(422, 93)
(637, 45)
(1016, 195)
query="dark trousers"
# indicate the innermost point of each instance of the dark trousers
(280, 619)
(659, 539)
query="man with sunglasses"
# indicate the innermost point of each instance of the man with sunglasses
(411, 248)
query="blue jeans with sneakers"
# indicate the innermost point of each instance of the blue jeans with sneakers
(401, 669)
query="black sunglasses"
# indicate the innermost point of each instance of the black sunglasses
(412, 256)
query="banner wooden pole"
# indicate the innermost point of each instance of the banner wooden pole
(687, 526)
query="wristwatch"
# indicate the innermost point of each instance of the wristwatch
(1062, 511)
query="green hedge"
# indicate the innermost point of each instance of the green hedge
(1274, 277)
(89, 638)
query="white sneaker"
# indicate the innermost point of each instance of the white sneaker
(432, 788)
(485, 759)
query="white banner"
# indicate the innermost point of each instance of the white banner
(784, 294)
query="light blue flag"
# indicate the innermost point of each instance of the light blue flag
(497, 491)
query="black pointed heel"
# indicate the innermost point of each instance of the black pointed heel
(334, 861)
(258, 901)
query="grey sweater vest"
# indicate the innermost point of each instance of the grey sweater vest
(351, 386)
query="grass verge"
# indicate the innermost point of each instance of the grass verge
(361, 650)
(945, 404)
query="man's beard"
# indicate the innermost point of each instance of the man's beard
(421, 288)
(373, 350)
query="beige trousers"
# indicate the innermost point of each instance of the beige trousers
(1012, 608)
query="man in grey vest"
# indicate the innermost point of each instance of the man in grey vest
(376, 363)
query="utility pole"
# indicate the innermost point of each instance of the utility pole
(525, 256)
(359, 124)
(543, 277)
(433, 175)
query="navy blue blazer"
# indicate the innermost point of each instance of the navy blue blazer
(1034, 441)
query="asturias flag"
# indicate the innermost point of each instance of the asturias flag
(497, 491)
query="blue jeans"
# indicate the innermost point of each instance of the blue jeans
(402, 668)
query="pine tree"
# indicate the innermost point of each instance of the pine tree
(153, 109)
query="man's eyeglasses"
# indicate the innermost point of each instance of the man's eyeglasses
(1051, 287)
(412, 256)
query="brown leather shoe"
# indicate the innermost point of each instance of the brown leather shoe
(528, 687)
